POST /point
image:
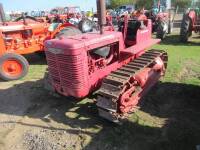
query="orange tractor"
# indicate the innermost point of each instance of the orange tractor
(25, 35)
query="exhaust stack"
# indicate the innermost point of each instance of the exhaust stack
(101, 11)
(2, 14)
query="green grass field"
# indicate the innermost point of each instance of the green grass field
(169, 117)
(184, 60)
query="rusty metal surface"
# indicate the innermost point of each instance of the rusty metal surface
(110, 91)
(101, 11)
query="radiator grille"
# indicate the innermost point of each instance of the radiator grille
(66, 70)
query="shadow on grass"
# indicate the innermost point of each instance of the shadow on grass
(36, 58)
(179, 103)
(175, 40)
(197, 37)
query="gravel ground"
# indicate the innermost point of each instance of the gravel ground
(28, 119)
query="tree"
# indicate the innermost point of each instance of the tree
(181, 3)
(117, 3)
(147, 4)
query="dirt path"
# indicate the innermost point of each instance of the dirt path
(26, 123)
(31, 118)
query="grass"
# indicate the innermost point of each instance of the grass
(183, 60)
(169, 118)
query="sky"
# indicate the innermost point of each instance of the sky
(29, 5)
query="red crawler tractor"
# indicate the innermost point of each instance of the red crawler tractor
(115, 62)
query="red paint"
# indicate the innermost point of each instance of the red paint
(193, 17)
(74, 74)
(146, 79)
(162, 16)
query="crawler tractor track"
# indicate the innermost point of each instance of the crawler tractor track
(113, 85)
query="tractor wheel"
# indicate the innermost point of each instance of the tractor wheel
(186, 30)
(13, 66)
(68, 31)
(85, 25)
(162, 30)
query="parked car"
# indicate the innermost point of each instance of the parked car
(129, 8)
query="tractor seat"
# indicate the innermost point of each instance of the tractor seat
(133, 26)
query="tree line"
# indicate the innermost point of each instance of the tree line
(145, 3)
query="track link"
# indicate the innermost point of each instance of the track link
(113, 84)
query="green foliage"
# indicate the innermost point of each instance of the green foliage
(181, 3)
(147, 3)
(117, 3)
(139, 3)
(144, 3)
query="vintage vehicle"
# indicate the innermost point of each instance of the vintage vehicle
(129, 8)
(115, 63)
(26, 35)
(65, 14)
(161, 18)
(191, 21)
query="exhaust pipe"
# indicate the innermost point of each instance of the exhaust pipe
(101, 11)
(2, 14)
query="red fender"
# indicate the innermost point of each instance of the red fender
(192, 16)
